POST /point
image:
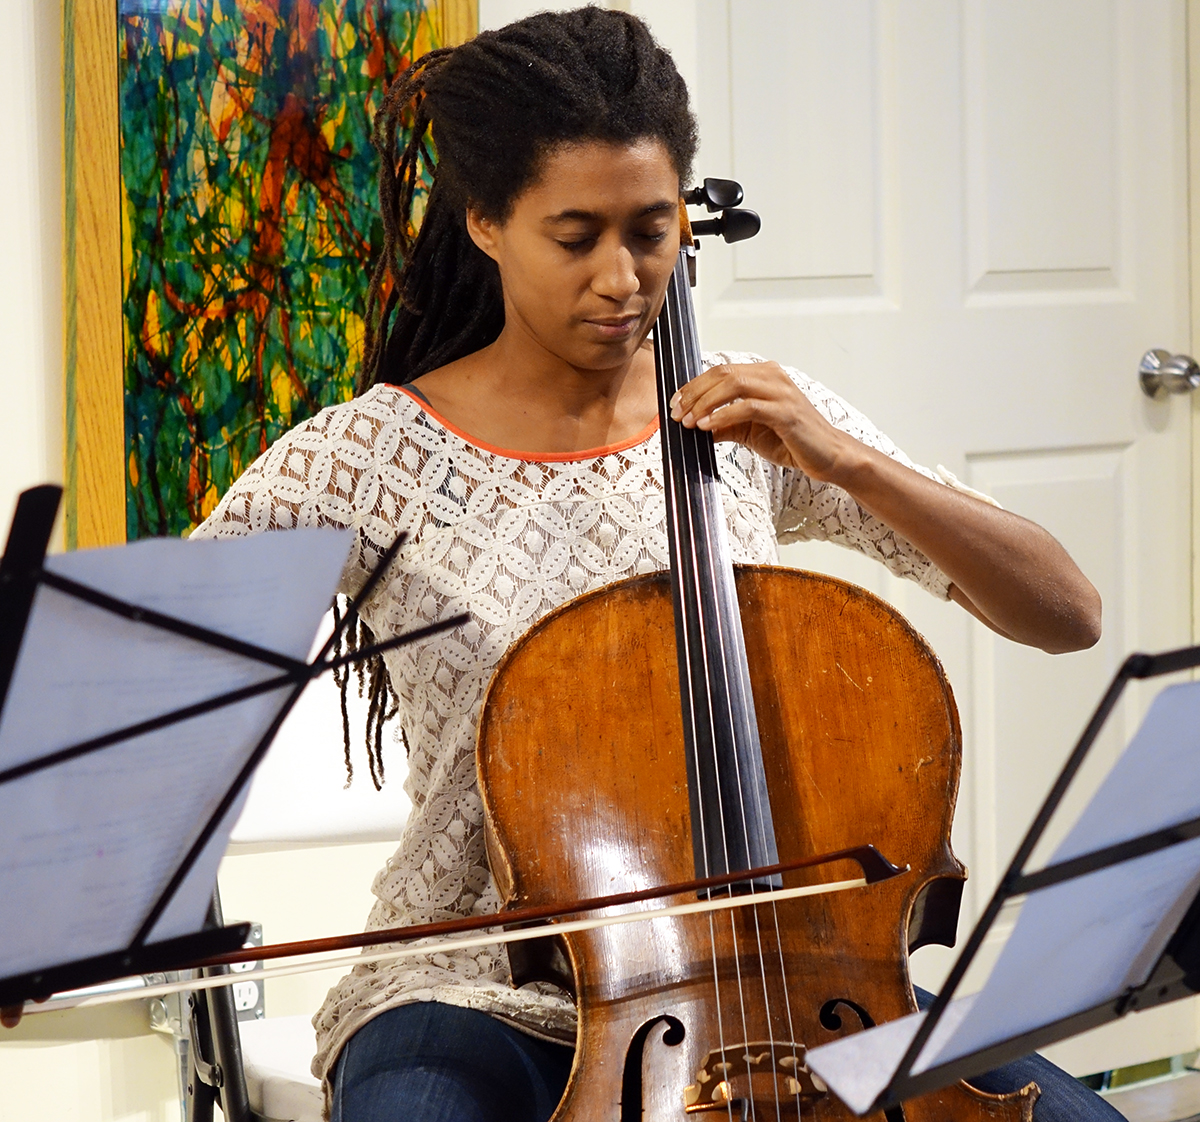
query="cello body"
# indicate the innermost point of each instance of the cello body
(585, 789)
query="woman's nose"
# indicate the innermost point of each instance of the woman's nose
(617, 276)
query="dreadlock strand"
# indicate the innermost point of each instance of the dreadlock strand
(374, 731)
(363, 638)
(341, 679)
(398, 179)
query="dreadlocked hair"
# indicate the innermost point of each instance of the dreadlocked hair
(373, 684)
(490, 111)
(474, 123)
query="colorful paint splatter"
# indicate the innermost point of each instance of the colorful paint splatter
(248, 215)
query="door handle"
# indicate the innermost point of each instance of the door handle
(1162, 373)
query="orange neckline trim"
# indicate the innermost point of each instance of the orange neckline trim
(532, 457)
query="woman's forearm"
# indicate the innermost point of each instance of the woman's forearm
(1004, 569)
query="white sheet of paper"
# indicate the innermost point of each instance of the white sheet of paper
(1084, 942)
(89, 845)
(1081, 943)
(860, 1066)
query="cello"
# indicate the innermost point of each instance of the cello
(713, 721)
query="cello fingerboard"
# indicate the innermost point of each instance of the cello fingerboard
(732, 827)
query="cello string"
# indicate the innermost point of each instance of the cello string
(680, 514)
(791, 1035)
(735, 669)
(706, 498)
(700, 503)
(712, 942)
(710, 527)
(693, 630)
(733, 938)
(740, 671)
(787, 1001)
(731, 666)
(670, 381)
(736, 675)
(677, 475)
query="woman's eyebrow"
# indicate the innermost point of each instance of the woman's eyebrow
(576, 215)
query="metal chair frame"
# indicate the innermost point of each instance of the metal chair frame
(215, 1069)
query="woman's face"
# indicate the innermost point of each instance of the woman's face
(586, 253)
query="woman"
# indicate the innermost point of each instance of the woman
(507, 422)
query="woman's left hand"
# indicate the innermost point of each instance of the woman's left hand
(758, 405)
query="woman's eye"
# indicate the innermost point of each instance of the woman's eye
(654, 237)
(577, 244)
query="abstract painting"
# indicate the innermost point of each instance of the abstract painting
(248, 226)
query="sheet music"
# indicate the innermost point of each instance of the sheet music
(88, 845)
(1079, 944)
(1072, 949)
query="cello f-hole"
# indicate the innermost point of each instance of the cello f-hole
(631, 1080)
(831, 1020)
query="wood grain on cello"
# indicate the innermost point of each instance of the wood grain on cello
(585, 786)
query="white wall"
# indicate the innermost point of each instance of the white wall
(31, 247)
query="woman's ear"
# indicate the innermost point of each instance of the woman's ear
(484, 232)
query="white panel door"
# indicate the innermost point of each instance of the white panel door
(974, 223)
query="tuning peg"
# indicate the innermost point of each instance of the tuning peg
(732, 225)
(715, 194)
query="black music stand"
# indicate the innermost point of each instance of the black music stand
(22, 572)
(874, 1070)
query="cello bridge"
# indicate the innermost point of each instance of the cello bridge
(761, 1071)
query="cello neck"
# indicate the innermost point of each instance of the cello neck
(732, 828)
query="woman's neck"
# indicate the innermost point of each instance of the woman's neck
(513, 395)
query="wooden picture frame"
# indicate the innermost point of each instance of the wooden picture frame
(96, 454)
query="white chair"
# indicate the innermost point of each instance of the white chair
(275, 1057)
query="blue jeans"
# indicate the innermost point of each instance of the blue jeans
(440, 1063)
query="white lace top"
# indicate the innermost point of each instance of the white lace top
(508, 537)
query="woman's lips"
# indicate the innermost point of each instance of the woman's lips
(616, 327)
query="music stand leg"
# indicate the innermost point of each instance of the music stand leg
(216, 1045)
